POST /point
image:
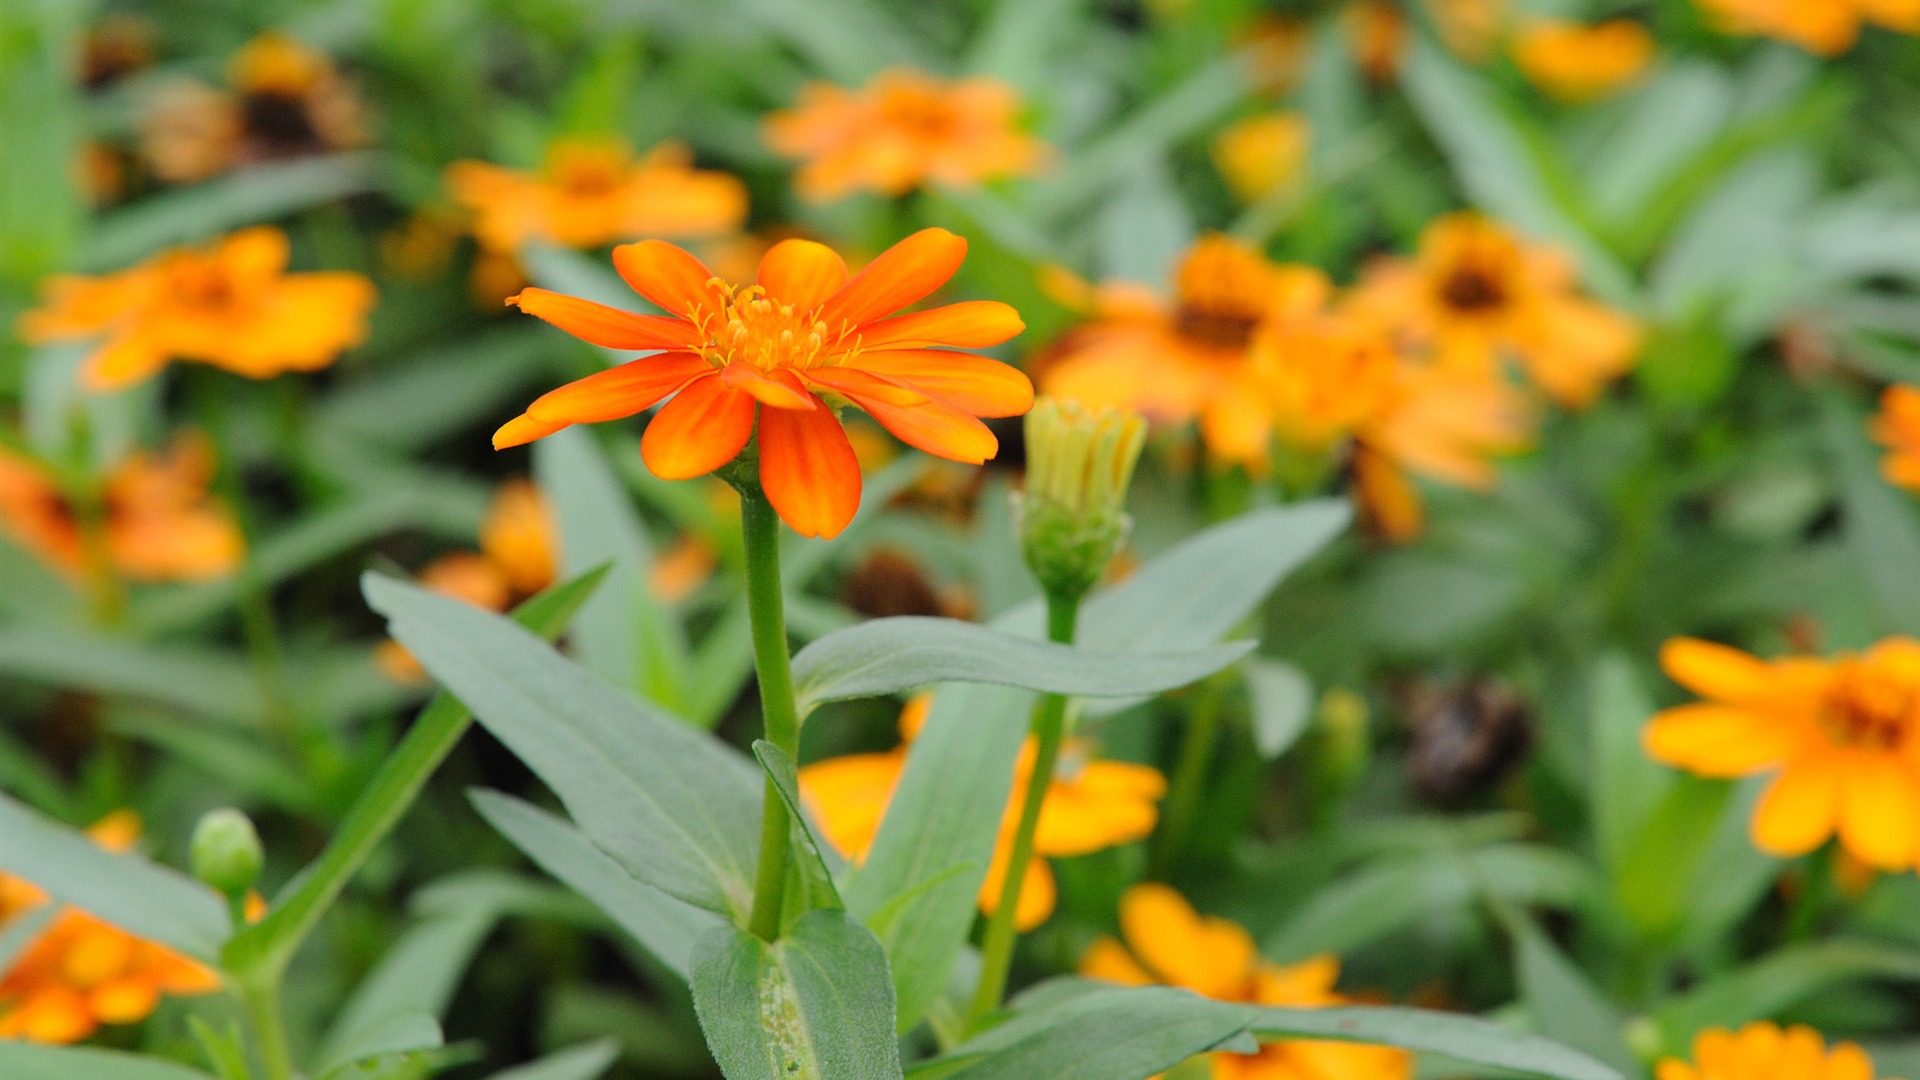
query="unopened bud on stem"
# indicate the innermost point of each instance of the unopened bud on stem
(1073, 515)
(226, 852)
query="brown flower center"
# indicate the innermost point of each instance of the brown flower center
(1475, 290)
(1225, 289)
(1870, 711)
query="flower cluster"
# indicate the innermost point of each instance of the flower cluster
(1826, 27)
(1764, 1051)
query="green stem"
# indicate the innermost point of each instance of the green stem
(261, 999)
(1049, 731)
(766, 608)
(1189, 778)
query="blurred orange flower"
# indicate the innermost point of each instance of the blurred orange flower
(1825, 27)
(287, 100)
(1169, 943)
(805, 329)
(1476, 293)
(1091, 805)
(1897, 427)
(593, 191)
(1764, 1051)
(1262, 153)
(159, 522)
(903, 130)
(232, 305)
(79, 972)
(1439, 423)
(1579, 63)
(1843, 733)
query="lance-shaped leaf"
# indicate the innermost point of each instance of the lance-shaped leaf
(1103, 1033)
(141, 897)
(580, 1063)
(32, 1061)
(815, 1005)
(886, 656)
(1463, 1038)
(675, 807)
(815, 878)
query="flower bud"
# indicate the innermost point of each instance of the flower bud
(226, 852)
(1072, 516)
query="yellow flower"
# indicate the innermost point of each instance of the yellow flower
(1897, 427)
(1825, 27)
(1579, 63)
(1842, 734)
(1168, 943)
(1091, 805)
(903, 130)
(1764, 1051)
(593, 191)
(80, 972)
(160, 523)
(1262, 153)
(233, 305)
(1476, 293)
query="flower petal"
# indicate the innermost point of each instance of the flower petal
(933, 426)
(524, 429)
(1717, 740)
(607, 327)
(851, 381)
(904, 273)
(971, 324)
(1716, 671)
(1801, 807)
(1211, 957)
(781, 390)
(808, 470)
(1880, 811)
(802, 273)
(1108, 961)
(667, 275)
(705, 426)
(619, 391)
(975, 384)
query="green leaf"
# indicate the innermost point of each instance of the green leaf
(440, 392)
(400, 1033)
(664, 926)
(1881, 528)
(1101, 1034)
(1282, 705)
(886, 656)
(1565, 1004)
(1463, 1038)
(815, 1005)
(1651, 883)
(584, 1062)
(32, 1061)
(675, 807)
(1143, 227)
(205, 684)
(141, 897)
(1013, 43)
(816, 877)
(1787, 978)
(1627, 784)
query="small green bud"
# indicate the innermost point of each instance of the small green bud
(1644, 1037)
(1072, 517)
(226, 852)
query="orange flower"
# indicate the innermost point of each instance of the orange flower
(1897, 427)
(1262, 153)
(1377, 35)
(232, 305)
(804, 330)
(1843, 735)
(903, 130)
(1763, 1051)
(593, 191)
(1826, 27)
(160, 523)
(1579, 63)
(1439, 423)
(80, 972)
(1091, 805)
(287, 101)
(1170, 944)
(1476, 293)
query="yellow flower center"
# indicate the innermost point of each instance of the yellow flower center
(748, 327)
(587, 171)
(1869, 710)
(197, 284)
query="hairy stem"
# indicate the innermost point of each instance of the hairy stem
(760, 529)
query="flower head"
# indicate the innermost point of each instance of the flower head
(1262, 153)
(903, 130)
(1091, 805)
(80, 972)
(593, 191)
(1168, 943)
(805, 337)
(1578, 63)
(1842, 734)
(160, 522)
(233, 305)
(1763, 1051)
(1825, 27)
(1073, 512)
(1897, 427)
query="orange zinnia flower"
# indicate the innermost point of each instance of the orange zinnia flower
(903, 130)
(80, 972)
(159, 521)
(1843, 734)
(233, 306)
(1825, 27)
(1091, 805)
(1579, 63)
(1170, 944)
(1763, 1051)
(803, 332)
(1439, 423)
(1897, 427)
(1476, 294)
(593, 191)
